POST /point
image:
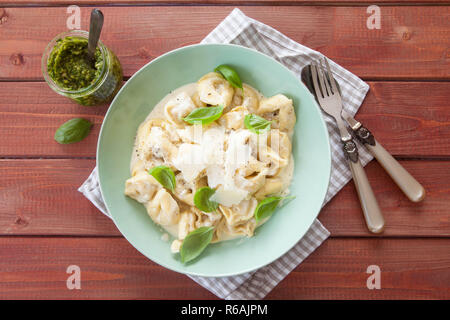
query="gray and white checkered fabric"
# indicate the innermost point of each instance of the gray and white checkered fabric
(239, 29)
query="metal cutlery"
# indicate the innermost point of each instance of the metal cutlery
(330, 101)
(95, 28)
(404, 180)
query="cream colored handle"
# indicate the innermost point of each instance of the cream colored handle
(405, 181)
(371, 210)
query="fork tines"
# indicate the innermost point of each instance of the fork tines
(325, 79)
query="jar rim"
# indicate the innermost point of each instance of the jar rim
(80, 92)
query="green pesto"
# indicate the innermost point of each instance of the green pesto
(70, 70)
(69, 67)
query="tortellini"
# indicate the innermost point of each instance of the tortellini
(186, 223)
(163, 208)
(238, 220)
(160, 205)
(178, 108)
(155, 142)
(234, 119)
(280, 110)
(214, 90)
(196, 99)
(243, 166)
(270, 187)
(185, 190)
(141, 187)
(192, 219)
(247, 98)
(252, 177)
(239, 214)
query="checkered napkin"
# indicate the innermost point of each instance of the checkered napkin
(239, 29)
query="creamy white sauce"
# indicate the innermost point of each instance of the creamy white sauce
(158, 111)
(227, 194)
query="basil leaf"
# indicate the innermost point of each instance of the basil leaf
(195, 242)
(201, 199)
(256, 123)
(204, 115)
(230, 75)
(266, 207)
(73, 130)
(165, 176)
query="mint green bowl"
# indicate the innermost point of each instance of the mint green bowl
(311, 152)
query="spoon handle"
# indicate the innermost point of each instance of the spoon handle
(369, 204)
(405, 181)
(95, 29)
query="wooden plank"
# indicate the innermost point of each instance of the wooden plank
(110, 268)
(214, 2)
(409, 116)
(343, 215)
(39, 197)
(35, 268)
(139, 34)
(410, 269)
(405, 117)
(31, 112)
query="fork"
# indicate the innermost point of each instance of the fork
(404, 180)
(330, 101)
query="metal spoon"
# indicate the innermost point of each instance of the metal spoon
(95, 29)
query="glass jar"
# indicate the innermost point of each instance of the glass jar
(105, 84)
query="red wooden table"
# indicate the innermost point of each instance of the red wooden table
(46, 225)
